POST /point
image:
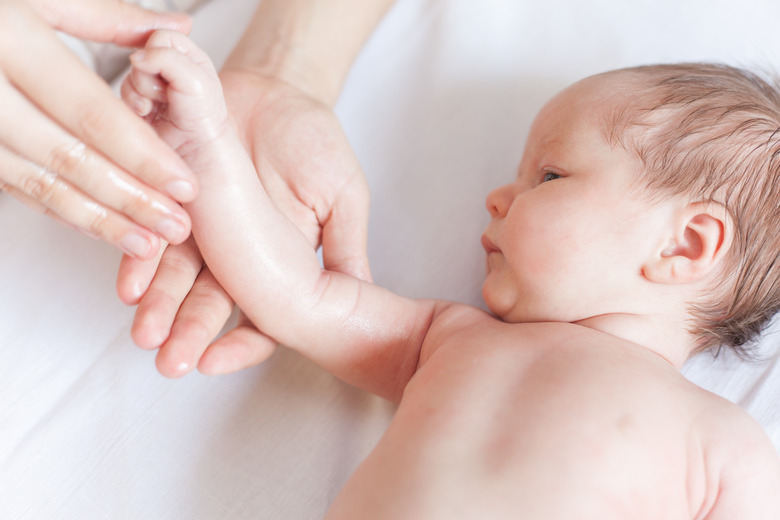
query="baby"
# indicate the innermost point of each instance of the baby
(641, 227)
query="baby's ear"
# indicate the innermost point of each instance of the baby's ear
(701, 237)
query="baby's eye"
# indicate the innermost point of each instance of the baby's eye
(550, 176)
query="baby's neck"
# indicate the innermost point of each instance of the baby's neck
(671, 341)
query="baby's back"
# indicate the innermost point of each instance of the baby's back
(556, 421)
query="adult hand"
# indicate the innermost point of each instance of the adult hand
(68, 145)
(182, 310)
(308, 167)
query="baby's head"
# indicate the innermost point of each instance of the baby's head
(712, 133)
(684, 154)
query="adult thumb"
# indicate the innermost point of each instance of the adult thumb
(109, 21)
(345, 234)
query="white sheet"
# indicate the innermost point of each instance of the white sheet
(437, 108)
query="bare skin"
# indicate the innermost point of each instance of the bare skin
(76, 153)
(584, 416)
(549, 421)
(280, 82)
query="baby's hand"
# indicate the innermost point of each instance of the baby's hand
(174, 86)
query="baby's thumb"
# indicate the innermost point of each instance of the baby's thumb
(118, 22)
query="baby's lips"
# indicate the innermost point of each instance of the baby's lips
(488, 245)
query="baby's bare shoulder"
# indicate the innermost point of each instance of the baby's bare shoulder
(539, 404)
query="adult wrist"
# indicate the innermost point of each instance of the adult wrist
(309, 44)
(285, 62)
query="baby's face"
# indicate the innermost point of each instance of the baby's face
(568, 238)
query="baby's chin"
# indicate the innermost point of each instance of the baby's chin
(504, 311)
(512, 316)
(516, 312)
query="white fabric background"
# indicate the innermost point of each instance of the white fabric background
(437, 108)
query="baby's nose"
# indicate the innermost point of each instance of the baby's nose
(499, 200)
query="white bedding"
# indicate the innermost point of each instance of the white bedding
(437, 108)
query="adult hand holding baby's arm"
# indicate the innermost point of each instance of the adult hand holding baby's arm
(280, 84)
(68, 146)
(309, 170)
(256, 253)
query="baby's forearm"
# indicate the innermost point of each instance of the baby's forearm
(360, 332)
(251, 248)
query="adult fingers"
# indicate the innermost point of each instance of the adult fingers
(44, 144)
(85, 106)
(178, 271)
(53, 195)
(201, 317)
(109, 21)
(135, 276)
(243, 347)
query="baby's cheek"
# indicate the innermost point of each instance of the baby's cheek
(536, 249)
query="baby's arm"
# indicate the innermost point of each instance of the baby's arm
(747, 472)
(360, 332)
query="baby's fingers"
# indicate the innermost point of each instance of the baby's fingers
(142, 91)
(175, 69)
(174, 85)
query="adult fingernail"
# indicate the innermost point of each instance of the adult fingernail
(172, 230)
(182, 191)
(136, 245)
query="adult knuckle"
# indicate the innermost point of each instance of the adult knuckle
(67, 160)
(134, 203)
(98, 222)
(94, 123)
(158, 299)
(147, 166)
(208, 291)
(42, 186)
(196, 328)
(179, 265)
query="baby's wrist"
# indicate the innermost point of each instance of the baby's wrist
(200, 154)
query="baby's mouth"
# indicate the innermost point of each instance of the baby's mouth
(489, 246)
